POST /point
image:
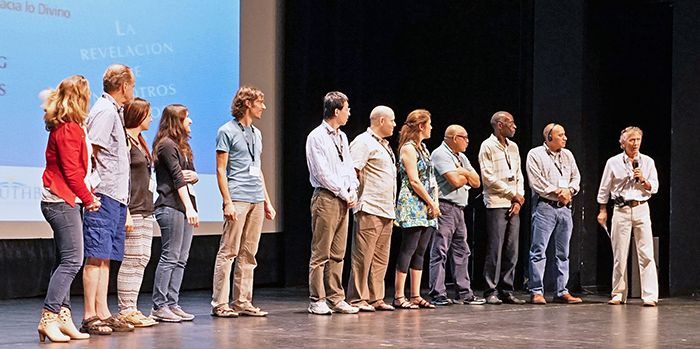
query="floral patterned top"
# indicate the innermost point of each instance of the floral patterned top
(411, 210)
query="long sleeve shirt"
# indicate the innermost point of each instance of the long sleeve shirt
(549, 171)
(618, 179)
(329, 161)
(500, 172)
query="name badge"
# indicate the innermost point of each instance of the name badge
(563, 183)
(94, 179)
(190, 189)
(254, 171)
(151, 185)
(511, 178)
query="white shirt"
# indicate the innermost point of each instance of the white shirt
(549, 171)
(375, 162)
(618, 179)
(500, 172)
(324, 149)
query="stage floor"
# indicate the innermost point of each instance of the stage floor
(593, 324)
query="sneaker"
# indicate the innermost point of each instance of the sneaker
(493, 299)
(164, 314)
(344, 308)
(441, 300)
(137, 319)
(181, 313)
(473, 300)
(319, 308)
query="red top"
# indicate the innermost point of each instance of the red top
(67, 163)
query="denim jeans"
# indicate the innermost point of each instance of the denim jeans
(176, 238)
(548, 221)
(67, 225)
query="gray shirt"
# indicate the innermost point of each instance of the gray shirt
(244, 184)
(105, 126)
(444, 161)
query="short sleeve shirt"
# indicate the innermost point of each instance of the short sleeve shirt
(444, 161)
(105, 126)
(243, 184)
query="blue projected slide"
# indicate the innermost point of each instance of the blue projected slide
(181, 52)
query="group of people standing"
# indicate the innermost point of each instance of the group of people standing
(98, 198)
(434, 190)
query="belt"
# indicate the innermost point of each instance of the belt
(553, 203)
(450, 203)
(634, 203)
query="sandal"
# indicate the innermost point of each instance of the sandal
(252, 311)
(93, 325)
(381, 305)
(118, 325)
(422, 303)
(223, 311)
(403, 303)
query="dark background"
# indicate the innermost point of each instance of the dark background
(594, 66)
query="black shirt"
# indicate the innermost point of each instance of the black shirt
(169, 176)
(141, 199)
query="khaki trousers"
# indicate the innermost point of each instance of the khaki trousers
(239, 241)
(636, 221)
(329, 225)
(371, 243)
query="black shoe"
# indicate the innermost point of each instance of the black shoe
(511, 299)
(473, 300)
(441, 300)
(493, 299)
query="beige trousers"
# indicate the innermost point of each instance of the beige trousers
(239, 241)
(635, 221)
(329, 225)
(371, 243)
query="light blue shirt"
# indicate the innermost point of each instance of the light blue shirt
(242, 185)
(444, 161)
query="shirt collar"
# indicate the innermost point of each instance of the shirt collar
(374, 135)
(549, 151)
(495, 140)
(329, 128)
(111, 99)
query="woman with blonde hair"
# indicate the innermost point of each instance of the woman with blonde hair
(417, 207)
(139, 215)
(66, 191)
(175, 210)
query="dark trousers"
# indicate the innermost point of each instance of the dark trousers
(450, 240)
(501, 251)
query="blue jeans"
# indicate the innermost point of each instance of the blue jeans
(67, 225)
(547, 221)
(176, 238)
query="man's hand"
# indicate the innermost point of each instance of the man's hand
(352, 201)
(514, 209)
(519, 199)
(190, 176)
(230, 211)
(563, 195)
(270, 212)
(603, 217)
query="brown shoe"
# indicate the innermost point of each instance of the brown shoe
(649, 304)
(538, 299)
(568, 299)
(614, 302)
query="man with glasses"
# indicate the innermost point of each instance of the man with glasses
(503, 195)
(455, 176)
(332, 174)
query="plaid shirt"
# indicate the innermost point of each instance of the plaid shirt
(500, 172)
(549, 171)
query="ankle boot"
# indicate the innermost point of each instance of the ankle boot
(48, 327)
(66, 325)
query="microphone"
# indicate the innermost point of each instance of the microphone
(635, 164)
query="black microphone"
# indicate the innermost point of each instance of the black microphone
(635, 164)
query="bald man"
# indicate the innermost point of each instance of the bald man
(554, 179)
(455, 176)
(375, 165)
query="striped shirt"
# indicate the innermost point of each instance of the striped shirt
(500, 172)
(329, 161)
(549, 171)
(618, 179)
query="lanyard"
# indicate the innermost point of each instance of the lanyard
(338, 149)
(552, 155)
(505, 151)
(453, 154)
(247, 142)
(388, 149)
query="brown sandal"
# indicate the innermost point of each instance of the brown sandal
(422, 303)
(381, 305)
(403, 303)
(93, 325)
(118, 325)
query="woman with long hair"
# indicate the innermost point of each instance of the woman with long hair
(139, 215)
(65, 192)
(417, 207)
(175, 210)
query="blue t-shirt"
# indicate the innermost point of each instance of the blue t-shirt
(242, 185)
(444, 160)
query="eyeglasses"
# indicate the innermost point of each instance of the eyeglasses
(463, 137)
